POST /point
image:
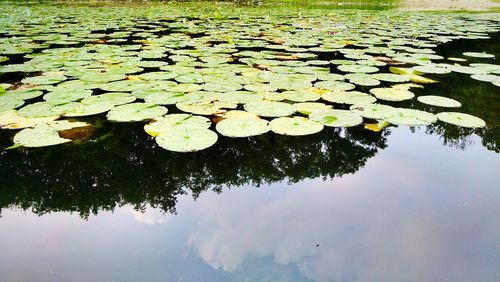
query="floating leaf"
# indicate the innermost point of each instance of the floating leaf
(11, 120)
(166, 98)
(392, 94)
(439, 101)
(45, 134)
(295, 126)
(204, 108)
(377, 127)
(336, 118)
(309, 107)
(175, 122)
(482, 55)
(46, 109)
(305, 95)
(411, 117)
(374, 111)
(114, 99)
(64, 96)
(270, 109)
(390, 77)
(242, 126)
(44, 79)
(135, 112)
(349, 97)
(461, 119)
(186, 139)
(357, 68)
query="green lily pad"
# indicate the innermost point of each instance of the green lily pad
(24, 94)
(439, 101)
(334, 85)
(175, 121)
(295, 126)
(44, 79)
(45, 134)
(392, 94)
(242, 127)
(461, 119)
(482, 55)
(357, 68)
(8, 102)
(113, 98)
(365, 81)
(102, 77)
(204, 108)
(89, 109)
(160, 75)
(390, 77)
(411, 117)
(270, 109)
(64, 96)
(431, 68)
(135, 112)
(186, 139)
(336, 118)
(348, 97)
(46, 109)
(309, 107)
(486, 77)
(221, 86)
(306, 95)
(166, 98)
(9, 119)
(374, 111)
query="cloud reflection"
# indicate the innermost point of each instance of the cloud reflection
(365, 228)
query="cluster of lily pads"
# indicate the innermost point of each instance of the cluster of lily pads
(248, 75)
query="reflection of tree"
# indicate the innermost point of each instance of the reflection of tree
(128, 169)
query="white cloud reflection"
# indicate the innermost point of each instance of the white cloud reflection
(373, 226)
(149, 215)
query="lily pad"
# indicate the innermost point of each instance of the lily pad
(113, 98)
(392, 94)
(461, 119)
(46, 109)
(242, 127)
(412, 117)
(348, 97)
(11, 120)
(186, 139)
(270, 109)
(295, 126)
(44, 79)
(482, 55)
(336, 118)
(306, 95)
(175, 122)
(45, 134)
(204, 108)
(309, 107)
(64, 96)
(374, 111)
(136, 112)
(439, 101)
(357, 68)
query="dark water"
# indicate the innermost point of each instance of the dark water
(407, 204)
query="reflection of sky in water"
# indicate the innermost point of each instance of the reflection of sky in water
(413, 213)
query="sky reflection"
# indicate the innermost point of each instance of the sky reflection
(411, 214)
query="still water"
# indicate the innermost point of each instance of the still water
(417, 211)
(406, 204)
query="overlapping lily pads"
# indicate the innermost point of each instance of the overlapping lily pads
(271, 66)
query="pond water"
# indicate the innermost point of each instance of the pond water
(406, 203)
